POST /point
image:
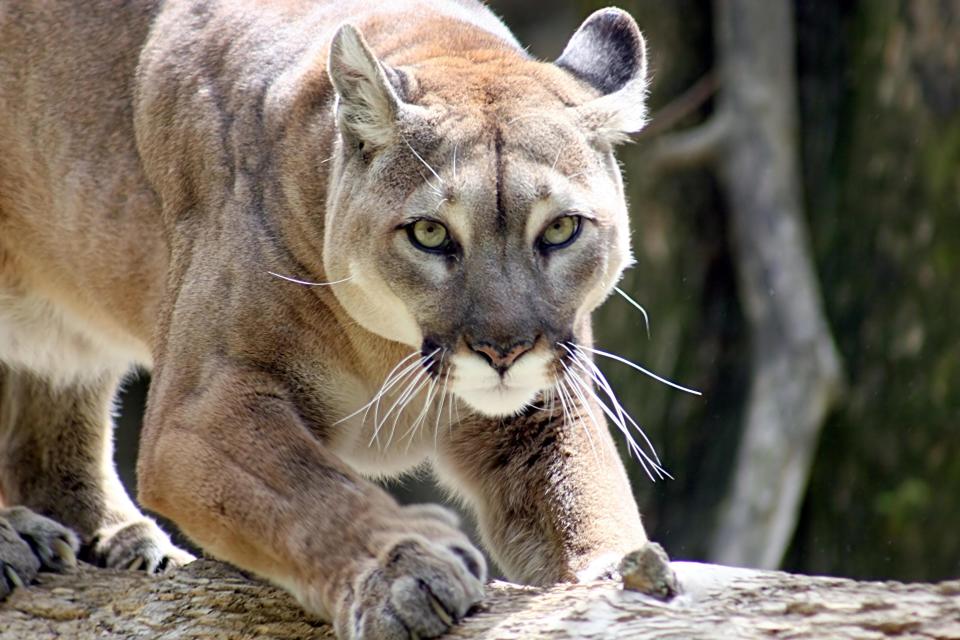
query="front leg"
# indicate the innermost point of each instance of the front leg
(550, 492)
(243, 475)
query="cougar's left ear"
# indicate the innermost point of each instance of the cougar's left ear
(609, 53)
(368, 105)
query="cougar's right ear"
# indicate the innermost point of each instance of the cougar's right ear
(368, 103)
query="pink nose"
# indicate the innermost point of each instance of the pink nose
(501, 358)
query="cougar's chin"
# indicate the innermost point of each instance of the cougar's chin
(481, 387)
(498, 402)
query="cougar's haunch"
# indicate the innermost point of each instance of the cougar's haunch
(346, 237)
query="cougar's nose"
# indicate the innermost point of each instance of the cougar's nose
(501, 357)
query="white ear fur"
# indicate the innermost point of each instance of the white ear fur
(367, 102)
(609, 52)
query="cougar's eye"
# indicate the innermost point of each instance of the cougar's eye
(429, 235)
(560, 232)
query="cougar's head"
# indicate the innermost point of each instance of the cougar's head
(475, 203)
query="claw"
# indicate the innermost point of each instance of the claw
(135, 564)
(13, 577)
(440, 610)
(68, 557)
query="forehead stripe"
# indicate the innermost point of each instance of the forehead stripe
(498, 155)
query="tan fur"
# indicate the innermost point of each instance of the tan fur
(157, 164)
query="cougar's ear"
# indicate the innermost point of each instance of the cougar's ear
(368, 104)
(609, 53)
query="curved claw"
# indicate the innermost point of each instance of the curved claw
(135, 564)
(441, 611)
(64, 551)
(13, 577)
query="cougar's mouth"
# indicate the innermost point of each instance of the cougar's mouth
(494, 394)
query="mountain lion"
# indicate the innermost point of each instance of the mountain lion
(347, 237)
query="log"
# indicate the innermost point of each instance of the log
(210, 600)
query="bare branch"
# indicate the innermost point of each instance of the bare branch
(682, 106)
(693, 147)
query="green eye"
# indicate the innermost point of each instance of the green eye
(561, 232)
(429, 235)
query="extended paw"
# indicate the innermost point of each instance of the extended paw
(139, 545)
(419, 586)
(648, 571)
(29, 542)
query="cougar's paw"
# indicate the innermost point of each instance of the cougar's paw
(29, 542)
(139, 545)
(18, 564)
(54, 544)
(648, 571)
(416, 589)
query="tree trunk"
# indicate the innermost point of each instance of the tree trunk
(212, 601)
(795, 369)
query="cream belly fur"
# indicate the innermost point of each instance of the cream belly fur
(347, 237)
(40, 336)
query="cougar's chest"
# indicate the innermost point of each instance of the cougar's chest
(385, 433)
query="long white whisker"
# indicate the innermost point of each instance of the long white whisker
(408, 378)
(645, 461)
(456, 408)
(383, 388)
(598, 377)
(566, 399)
(547, 400)
(583, 401)
(378, 423)
(410, 392)
(425, 163)
(455, 147)
(400, 403)
(622, 414)
(557, 159)
(646, 318)
(443, 398)
(586, 405)
(407, 399)
(665, 381)
(389, 384)
(414, 428)
(307, 283)
(453, 399)
(558, 385)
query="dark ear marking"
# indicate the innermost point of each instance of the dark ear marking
(607, 51)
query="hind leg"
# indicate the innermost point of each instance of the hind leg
(56, 459)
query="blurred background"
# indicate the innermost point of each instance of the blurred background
(795, 205)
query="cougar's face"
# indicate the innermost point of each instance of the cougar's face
(487, 254)
(480, 218)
